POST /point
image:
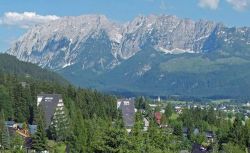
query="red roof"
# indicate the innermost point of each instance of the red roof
(158, 117)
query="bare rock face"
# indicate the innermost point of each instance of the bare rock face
(166, 33)
(96, 43)
(58, 44)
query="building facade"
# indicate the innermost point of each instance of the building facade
(127, 106)
(55, 114)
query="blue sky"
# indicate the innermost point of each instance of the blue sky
(14, 22)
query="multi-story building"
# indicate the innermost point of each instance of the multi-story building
(128, 112)
(54, 114)
(52, 106)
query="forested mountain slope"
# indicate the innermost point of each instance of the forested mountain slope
(11, 65)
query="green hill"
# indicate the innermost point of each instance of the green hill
(11, 65)
(153, 73)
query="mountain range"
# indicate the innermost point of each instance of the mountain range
(150, 55)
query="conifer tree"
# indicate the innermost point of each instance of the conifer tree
(5, 136)
(5, 102)
(169, 110)
(39, 139)
(137, 138)
(16, 144)
(236, 133)
(178, 129)
(77, 137)
(60, 125)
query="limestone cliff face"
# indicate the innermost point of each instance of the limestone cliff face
(95, 41)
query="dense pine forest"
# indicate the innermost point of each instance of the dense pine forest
(11, 65)
(90, 112)
(96, 126)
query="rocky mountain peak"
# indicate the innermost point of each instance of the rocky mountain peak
(68, 40)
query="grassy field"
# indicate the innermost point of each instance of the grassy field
(175, 102)
(220, 101)
(199, 64)
(174, 116)
(56, 147)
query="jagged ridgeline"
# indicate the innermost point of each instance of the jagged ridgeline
(151, 55)
(11, 65)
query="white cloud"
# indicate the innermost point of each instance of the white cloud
(211, 4)
(25, 19)
(239, 5)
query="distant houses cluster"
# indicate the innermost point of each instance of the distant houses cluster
(127, 107)
(23, 131)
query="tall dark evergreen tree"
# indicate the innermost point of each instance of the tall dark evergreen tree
(169, 110)
(5, 135)
(236, 133)
(136, 135)
(60, 128)
(178, 129)
(39, 141)
(140, 103)
(5, 102)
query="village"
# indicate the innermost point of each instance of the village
(158, 107)
(53, 108)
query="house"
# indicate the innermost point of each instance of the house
(178, 109)
(9, 123)
(222, 108)
(185, 131)
(32, 129)
(127, 107)
(196, 131)
(146, 124)
(158, 117)
(210, 136)
(24, 84)
(52, 105)
(162, 111)
(153, 105)
(14, 127)
(248, 104)
(197, 148)
(25, 134)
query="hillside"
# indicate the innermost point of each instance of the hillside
(88, 113)
(199, 75)
(11, 65)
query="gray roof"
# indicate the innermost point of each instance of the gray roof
(48, 104)
(210, 134)
(197, 148)
(196, 131)
(32, 129)
(9, 123)
(128, 112)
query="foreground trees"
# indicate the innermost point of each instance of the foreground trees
(95, 125)
(86, 110)
(4, 131)
(39, 141)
